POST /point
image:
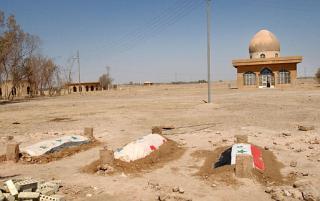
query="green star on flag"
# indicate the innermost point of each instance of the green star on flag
(242, 151)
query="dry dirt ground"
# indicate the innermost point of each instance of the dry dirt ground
(121, 116)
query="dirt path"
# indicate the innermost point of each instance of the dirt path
(119, 117)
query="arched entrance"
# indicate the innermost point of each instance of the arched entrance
(266, 78)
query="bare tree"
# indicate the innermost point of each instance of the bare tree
(66, 73)
(19, 61)
(105, 81)
(318, 75)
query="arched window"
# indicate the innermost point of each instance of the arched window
(284, 77)
(276, 55)
(0, 92)
(87, 88)
(262, 56)
(92, 88)
(74, 89)
(249, 78)
(28, 90)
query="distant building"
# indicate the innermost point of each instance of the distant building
(147, 83)
(8, 89)
(84, 87)
(266, 68)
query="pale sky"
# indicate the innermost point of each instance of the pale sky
(165, 40)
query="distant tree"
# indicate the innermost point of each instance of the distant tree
(318, 75)
(19, 61)
(105, 81)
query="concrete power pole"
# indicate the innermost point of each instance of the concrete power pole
(78, 59)
(208, 47)
(108, 75)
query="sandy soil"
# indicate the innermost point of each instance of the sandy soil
(121, 116)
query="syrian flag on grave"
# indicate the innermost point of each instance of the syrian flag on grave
(228, 157)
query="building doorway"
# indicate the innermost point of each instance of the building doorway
(266, 78)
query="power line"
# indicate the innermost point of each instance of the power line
(150, 23)
(160, 27)
(155, 26)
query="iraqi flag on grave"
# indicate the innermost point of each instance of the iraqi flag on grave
(228, 157)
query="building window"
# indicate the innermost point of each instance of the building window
(284, 77)
(276, 55)
(262, 56)
(74, 89)
(92, 88)
(249, 78)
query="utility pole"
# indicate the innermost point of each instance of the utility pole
(208, 47)
(108, 75)
(78, 59)
(108, 70)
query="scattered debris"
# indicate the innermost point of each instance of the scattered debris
(61, 119)
(30, 189)
(286, 133)
(178, 189)
(305, 128)
(167, 127)
(309, 192)
(293, 163)
(9, 138)
(105, 169)
(284, 193)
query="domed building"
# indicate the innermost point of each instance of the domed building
(266, 68)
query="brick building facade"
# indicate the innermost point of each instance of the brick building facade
(266, 68)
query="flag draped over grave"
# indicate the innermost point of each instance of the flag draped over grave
(228, 157)
(139, 148)
(49, 146)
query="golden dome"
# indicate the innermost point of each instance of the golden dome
(263, 41)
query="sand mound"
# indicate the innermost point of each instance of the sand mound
(225, 173)
(167, 152)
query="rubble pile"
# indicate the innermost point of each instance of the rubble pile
(105, 169)
(300, 190)
(30, 190)
(168, 193)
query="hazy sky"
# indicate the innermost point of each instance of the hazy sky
(165, 40)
